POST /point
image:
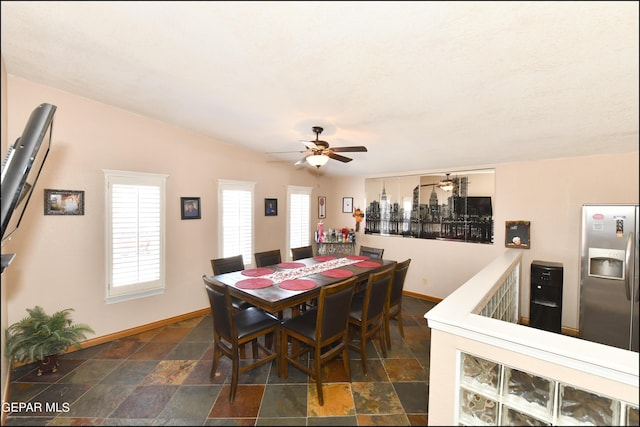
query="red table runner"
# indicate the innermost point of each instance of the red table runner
(337, 273)
(290, 265)
(367, 264)
(254, 283)
(298, 284)
(254, 272)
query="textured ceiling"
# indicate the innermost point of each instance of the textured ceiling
(423, 85)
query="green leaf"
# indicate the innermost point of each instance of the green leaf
(38, 335)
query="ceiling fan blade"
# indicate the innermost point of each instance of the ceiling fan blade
(301, 161)
(310, 144)
(338, 157)
(354, 149)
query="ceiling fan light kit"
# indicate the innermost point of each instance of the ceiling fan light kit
(446, 185)
(317, 160)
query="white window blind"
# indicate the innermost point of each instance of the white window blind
(299, 214)
(135, 229)
(235, 209)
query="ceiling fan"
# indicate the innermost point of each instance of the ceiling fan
(446, 184)
(318, 152)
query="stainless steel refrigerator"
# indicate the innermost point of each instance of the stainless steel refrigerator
(609, 275)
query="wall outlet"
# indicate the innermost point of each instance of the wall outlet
(424, 280)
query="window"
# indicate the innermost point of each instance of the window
(135, 235)
(298, 214)
(235, 211)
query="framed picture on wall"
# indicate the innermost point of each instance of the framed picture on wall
(322, 207)
(347, 204)
(270, 207)
(63, 202)
(190, 207)
(518, 234)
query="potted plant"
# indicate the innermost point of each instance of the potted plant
(42, 338)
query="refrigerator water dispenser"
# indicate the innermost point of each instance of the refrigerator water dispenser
(606, 263)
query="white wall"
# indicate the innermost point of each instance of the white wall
(60, 259)
(548, 193)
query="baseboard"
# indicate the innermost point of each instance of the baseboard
(421, 296)
(128, 332)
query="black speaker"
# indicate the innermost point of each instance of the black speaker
(545, 307)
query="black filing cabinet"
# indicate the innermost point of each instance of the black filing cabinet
(545, 307)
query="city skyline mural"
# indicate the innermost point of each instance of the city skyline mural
(423, 207)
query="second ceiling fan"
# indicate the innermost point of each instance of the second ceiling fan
(318, 151)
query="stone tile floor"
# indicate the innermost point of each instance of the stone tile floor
(161, 377)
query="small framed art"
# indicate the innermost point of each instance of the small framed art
(347, 204)
(517, 234)
(270, 207)
(322, 207)
(63, 202)
(190, 207)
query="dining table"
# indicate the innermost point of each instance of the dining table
(288, 285)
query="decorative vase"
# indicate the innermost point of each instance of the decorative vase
(48, 364)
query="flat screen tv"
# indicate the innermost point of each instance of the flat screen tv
(476, 206)
(21, 169)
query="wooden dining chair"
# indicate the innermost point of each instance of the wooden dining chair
(394, 307)
(266, 258)
(232, 329)
(371, 252)
(301, 252)
(366, 317)
(229, 265)
(322, 333)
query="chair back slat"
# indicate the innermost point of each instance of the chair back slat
(267, 258)
(227, 265)
(371, 252)
(301, 252)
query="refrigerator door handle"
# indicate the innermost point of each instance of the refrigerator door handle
(628, 263)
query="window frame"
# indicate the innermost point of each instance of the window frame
(227, 184)
(115, 294)
(297, 190)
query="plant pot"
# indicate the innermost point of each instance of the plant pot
(48, 364)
